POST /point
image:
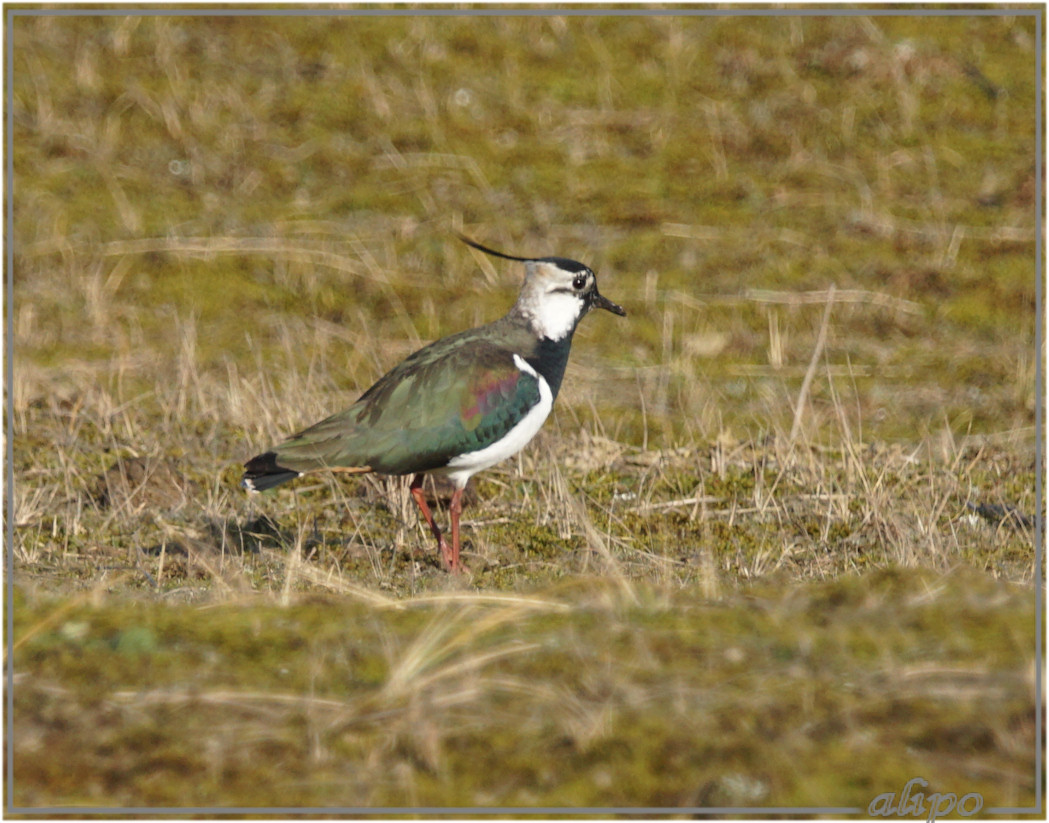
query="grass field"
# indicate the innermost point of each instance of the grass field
(775, 546)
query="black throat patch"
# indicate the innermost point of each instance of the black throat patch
(550, 359)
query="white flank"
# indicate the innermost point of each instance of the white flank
(461, 468)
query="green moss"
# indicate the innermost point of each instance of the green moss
(801, 669)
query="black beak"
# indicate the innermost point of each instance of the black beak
(600, 302)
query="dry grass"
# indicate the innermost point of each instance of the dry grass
(589, 697)
(780, 525)
(574, 503)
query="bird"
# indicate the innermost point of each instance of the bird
(457, 406)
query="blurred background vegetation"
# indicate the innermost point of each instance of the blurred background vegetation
(227, 227)
(250, 174)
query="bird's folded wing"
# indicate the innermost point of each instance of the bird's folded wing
(421, 415)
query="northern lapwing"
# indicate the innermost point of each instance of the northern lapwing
(457, 406)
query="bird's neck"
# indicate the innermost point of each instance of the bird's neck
(549, 358)
(547, 355)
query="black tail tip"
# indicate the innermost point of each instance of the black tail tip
(262, 473)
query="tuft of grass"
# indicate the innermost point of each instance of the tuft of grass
(581, 696)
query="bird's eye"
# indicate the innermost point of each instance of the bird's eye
(579, 282)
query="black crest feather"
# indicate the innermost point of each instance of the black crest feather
(560, 262)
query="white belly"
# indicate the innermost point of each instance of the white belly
(461, 468)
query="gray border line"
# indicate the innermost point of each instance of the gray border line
(1039, 403)
(1039, 13)
(543, 11)
(9, 381)
(447, 810)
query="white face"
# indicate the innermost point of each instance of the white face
(557, 314)
(558, 299)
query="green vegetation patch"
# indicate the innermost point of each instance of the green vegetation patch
(821, 694)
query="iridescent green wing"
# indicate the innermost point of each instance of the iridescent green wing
(455, 396)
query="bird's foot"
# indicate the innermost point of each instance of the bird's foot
(450, 559)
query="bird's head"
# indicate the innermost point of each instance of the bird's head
(557, 293)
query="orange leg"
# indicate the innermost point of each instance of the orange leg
(450, 555)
